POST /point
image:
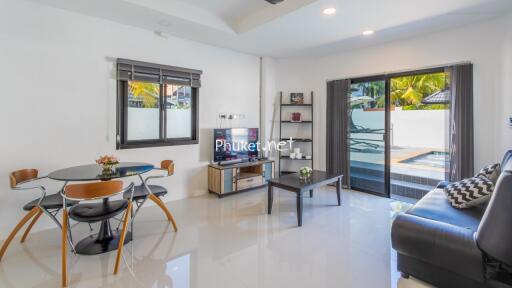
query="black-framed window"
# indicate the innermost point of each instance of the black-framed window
(157, 105)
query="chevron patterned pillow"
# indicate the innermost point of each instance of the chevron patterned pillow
(491, 172)
(469, 192)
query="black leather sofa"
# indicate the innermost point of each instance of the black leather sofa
(449, 247)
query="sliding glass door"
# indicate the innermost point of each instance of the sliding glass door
(367, 135)
(398, 133)
(419, 121)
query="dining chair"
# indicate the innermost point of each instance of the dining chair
(95, 212)
(144, 191)
(47, 204)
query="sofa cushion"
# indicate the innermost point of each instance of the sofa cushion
(440, 244)
(491, 172)
(434, 232)
(469, 192)
(435, 206)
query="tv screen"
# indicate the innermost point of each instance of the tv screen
(235, 143)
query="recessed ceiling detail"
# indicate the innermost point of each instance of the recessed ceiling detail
(274, 1)
(292, 27)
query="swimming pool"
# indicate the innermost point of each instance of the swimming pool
(432, 159)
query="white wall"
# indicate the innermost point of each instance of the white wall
(409, 128)
(58, 96)
(487, 45)
(420, 128)
(504, 106)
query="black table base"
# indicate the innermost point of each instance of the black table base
(293, 183)
(104, 241)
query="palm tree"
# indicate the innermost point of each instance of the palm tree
(149, 92)
(374, 89)
(410, 90)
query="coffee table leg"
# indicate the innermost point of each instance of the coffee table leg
(299, 208)
(270, 198)
(311, 193)
(338, 190)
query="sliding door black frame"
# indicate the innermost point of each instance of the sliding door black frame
(387, 171)
(415, 72)
(387, 137)
(387, 118)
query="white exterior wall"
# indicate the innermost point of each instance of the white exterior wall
(410, 128)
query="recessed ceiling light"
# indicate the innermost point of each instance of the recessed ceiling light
(329, 11)
(368, 32)
(162, 34)
(164, 23)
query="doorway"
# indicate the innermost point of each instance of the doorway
(398, 133)
(367, 135)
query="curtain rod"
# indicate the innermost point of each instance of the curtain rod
(404, 70)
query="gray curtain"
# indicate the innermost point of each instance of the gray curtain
(338, 160)
(461, 122)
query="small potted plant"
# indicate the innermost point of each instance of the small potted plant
(305, 173)
(107, 163)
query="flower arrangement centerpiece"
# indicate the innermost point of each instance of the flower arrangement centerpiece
(305, 173)
(107, 163)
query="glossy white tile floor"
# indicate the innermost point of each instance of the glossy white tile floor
(231, 243)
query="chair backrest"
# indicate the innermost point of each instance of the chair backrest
(95, 190)
(168, 165)
(19, 176)
(494, 235)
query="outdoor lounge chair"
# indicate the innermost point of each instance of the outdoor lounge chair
(357, 129)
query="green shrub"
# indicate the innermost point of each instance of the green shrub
(426, 107)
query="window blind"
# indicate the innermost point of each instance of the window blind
(130, 70)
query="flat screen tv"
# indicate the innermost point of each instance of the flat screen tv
(235, 143)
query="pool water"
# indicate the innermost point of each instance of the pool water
(431, 159)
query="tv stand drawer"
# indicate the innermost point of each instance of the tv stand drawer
(247, 183)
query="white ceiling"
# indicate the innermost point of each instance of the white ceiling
(293, 27)
(230, 10)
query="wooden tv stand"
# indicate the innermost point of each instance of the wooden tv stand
(229, 179)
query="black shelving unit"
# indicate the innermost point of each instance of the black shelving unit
(307, 125)
(294, 104)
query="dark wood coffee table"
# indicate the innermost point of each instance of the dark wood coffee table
(291, 182)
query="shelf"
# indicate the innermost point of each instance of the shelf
(244, 175)
(301, 159)
(304, 126)
(297, 105)
(297, 140)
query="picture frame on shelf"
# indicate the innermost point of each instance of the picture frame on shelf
(297, 98)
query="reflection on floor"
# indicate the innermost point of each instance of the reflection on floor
(232, 242)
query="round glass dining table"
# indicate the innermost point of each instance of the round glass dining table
(106, 240)
(94, 172)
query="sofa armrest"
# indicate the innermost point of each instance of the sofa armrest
(444, 245)
(442, 184)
